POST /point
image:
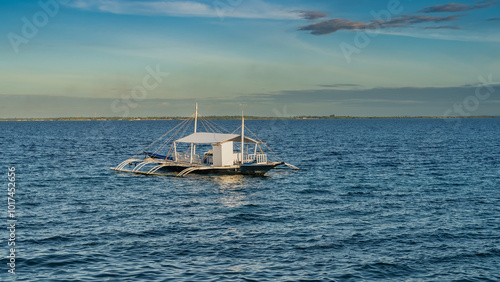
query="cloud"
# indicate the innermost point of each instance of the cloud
(455, 36)
(250, 9)
(311, 15)
(455, 7)
(415, 19)
(334, 25)
(494, 19)
(390, 101)
(145, 8)
(443, 27)
(339, 85)
(444, 95)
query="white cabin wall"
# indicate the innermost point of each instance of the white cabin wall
(223, 154)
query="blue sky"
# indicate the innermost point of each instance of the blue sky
(269, 57)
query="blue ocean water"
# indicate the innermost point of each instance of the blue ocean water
(388, 200)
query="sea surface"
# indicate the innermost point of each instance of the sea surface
(376, 200)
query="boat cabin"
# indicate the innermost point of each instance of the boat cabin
(222, 152)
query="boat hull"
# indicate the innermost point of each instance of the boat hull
(251, 169)
(182, 170)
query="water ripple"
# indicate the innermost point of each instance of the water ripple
(376, 200)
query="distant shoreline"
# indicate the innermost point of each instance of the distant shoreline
(232, 117)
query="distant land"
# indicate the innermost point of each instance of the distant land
(234, 117)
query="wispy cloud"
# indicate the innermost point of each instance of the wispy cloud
(494, 19)
(252, 9)
(175, 8)
(415, 19)
(338, 85)
(456, 7)
(311, 15)
(443, 27)
(462, 37)
(446, 95)
(402, 100)
(334, 25)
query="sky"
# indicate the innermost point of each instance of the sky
(81, 58)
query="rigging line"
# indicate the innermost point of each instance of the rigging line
(173, 136)
(260, 148)
(212, 129)
(254, 135)
(161, 137)
(236, 129)
(273, 153)
(203, 124)
(185, 129)
(163, 145)
(189, 120)
(169, 150)
(158, 150)
(185, 123)
(204, 157)
(222, 129)
(206, 126)
(158, 139)
(215, 127)
(265, 145)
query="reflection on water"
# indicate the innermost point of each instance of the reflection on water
(231, 189)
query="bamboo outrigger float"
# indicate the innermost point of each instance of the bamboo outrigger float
(181, 158)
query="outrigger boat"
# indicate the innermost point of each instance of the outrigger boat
(178, 157)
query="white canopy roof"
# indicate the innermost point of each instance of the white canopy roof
(213, 138)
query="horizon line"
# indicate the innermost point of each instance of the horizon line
(231, 117)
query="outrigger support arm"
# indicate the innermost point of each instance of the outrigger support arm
(292, 166)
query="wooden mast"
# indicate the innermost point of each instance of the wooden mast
(195, 117)
(242, 136)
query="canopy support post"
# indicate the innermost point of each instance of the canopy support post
(175, 151)
(193, 146)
